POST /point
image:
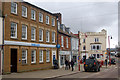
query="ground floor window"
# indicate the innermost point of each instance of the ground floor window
(24, 56)
(41, 56)
(98, 55)
(47, 56)
(33, 56)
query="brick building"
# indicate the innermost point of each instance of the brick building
(64, 39)
(30, 37)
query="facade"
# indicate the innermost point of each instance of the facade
(30, 37)
(93, 44)
(74, 47)
(64, 39)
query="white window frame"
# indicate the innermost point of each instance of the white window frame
(15, 30)
(48, 34)
(53, 37)
(83, 40)
(26, 32)
(32, 14)
(67, 42)
(40, 52)
(47, 19)
(53, 21)
(40, 15)
(25, 56)
(41, 34)
(34, 33)
(15, 6)
(34, 56)
(47, 57)
(25, 14)
(62, 41)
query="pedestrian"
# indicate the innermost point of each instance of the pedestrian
(72, 64)
(69, 64)
(66, 64)
(106, 62)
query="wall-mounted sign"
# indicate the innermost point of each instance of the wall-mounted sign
(28, 44)
(58, 46)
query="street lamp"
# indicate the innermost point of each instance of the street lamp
(109, 37)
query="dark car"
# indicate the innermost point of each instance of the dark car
(112, 61)
(91, 64)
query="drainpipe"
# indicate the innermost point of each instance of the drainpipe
(3, 47)
(71, 48)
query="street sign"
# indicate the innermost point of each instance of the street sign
(58, 46)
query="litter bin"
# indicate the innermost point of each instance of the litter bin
(55, 63)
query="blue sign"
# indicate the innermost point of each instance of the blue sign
(37, 45)
(58, 46)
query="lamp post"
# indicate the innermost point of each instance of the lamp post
(79, 49)
(109, 37)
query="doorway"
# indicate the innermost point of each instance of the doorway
(13, 60)
(53, 56)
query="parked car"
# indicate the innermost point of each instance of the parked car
(112, 61)
(91, 64)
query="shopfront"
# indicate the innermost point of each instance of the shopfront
(64, 55)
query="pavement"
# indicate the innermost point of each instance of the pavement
(51, 73)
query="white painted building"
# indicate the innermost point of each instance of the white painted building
(74, 48)
(93, 43)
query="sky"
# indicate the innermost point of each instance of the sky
(86, 16)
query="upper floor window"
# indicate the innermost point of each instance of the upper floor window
(33, 56)
(67, 42)
(40, 35)
(24, 56)
(96, 39)
(83, 40)
(84, 48)
(95, 47)
(24, 32)
(53, 22)
(47, 36)
(13, 30)
(58, 25)
(24, 11)
(33, 32)
(98, 55)
(53, 37)
(47, 19)
(62, 41)
(33, 14)
(14, 7)
(40, 17)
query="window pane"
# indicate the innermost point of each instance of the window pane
(13, 30)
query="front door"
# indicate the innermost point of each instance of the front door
(53, 56)
(13, 60)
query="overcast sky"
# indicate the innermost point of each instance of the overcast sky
(86, 16)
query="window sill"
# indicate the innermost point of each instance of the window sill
(41, 62)
(24, 39)
(33, 63)
(24, 17)
(14, 13)
(14, 38)
(33, 40)
(47, 62)
(40, 22)
(33, 19)
(40, 41)
(24, 64)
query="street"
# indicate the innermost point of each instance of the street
(110, 72)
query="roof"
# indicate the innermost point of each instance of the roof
(39, 8)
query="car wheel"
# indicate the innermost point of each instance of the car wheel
(85, 70)
(99, 69)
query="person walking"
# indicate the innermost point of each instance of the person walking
(69, 64)
(106, 62)
(66, 64)
(72, 64)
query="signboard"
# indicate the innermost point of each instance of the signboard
(28, 44)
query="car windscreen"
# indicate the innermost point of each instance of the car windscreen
(91, 61)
